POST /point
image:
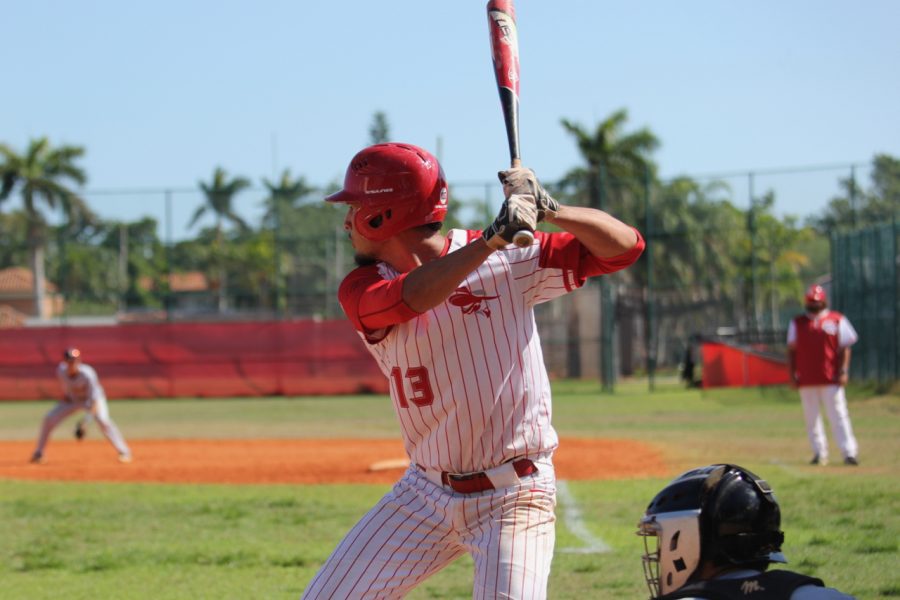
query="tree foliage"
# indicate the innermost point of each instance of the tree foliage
(703, 250)
(380, 129)
(219, 195)
(42, 175)
(618, 164)
(284, 197)
(855, 207)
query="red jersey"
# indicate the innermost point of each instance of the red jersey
(817, 341)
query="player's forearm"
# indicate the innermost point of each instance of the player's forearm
(845, 361)
(602, 234)
(843, 374)
(430, 284)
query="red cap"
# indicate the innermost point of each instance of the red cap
(816, 293)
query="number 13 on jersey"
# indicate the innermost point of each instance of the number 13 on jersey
(419, 384)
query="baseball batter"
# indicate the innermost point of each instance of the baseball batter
(819, 344)
(450, 321)
(81, 391)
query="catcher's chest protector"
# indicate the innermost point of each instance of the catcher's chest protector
(771, 585)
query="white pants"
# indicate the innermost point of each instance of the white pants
(835, 401)
(64, 409)
(420, 527)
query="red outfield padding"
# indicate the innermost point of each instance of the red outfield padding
(731, 366)
(167, 360)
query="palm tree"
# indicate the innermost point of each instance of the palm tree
(685, 216)
(219, 196)
(283, 196)
(696, 242)
(379, 130)
(281, 206)
(616, 162)
(40, 174)
(617, 167)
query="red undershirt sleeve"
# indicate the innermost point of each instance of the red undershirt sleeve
(564, 251)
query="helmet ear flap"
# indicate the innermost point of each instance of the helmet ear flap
(750, 544)
(740, 519)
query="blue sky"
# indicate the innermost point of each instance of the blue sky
(160, 93)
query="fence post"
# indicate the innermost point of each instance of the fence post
(754, 284)
(607, 315)
(123, 267)
(650, 326)
(276, 251)
(62, 287)
(167, 298)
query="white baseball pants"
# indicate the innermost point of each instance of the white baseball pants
(419, 527)
(835, 401)
(64, 409)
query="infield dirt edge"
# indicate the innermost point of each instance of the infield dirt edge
(295, 461)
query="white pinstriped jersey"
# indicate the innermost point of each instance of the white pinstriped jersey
(84, 387)
(467, 377)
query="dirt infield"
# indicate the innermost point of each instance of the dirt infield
(289, 461)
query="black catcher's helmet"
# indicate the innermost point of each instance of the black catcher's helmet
(720, 513)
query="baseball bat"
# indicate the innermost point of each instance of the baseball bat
(504, 37)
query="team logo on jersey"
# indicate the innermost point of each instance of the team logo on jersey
(471, 302)
(751, 586)
(830, 327)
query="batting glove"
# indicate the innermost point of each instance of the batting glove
(517, 213)
(521, 180)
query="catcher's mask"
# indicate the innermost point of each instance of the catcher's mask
(720, 513)
(394, 187)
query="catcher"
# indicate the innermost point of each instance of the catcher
(712, 533)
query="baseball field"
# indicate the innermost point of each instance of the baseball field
(244, 498)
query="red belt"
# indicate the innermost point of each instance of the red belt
(470, 483)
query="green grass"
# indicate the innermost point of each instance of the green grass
(142, 541)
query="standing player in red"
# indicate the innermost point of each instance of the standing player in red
(819, 361)
(450, 320)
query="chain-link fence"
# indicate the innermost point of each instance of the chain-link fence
(282, 263)
(720, 262)
(866, 288)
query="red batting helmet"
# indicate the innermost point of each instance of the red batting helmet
(816, 293)
(395, 187)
